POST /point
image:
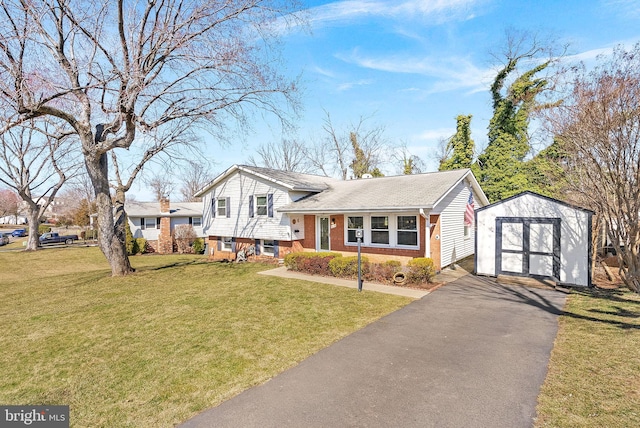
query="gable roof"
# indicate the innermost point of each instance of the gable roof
(403, 192)
(152, 209)
(294, 181)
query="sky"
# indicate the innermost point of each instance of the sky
(412, 66)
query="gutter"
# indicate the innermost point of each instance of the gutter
(427, 234)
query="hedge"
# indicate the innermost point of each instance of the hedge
(420, 270)
(417, 271)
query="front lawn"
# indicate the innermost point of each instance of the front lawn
(594, 372)
(155, 348)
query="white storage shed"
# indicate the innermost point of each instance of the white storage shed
(536, 236)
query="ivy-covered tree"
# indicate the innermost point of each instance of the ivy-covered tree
(501, 168)
(547, 171)
(363, 162)
(460, 147)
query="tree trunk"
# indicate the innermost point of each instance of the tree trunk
(110, 242)
(120, 216)
(34, 221)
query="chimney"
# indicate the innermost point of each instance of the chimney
(164, 204)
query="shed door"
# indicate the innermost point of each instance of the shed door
(528, 247)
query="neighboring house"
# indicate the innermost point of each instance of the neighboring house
(155, 221)
(534, 235)
(14, 219)
(403, 217)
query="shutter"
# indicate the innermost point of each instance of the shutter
(270, 205)
(251, 206)
(158, 222)
(219, 243)
(233, 245)
(276, 249)
(142, 223)
(228, 203)
(257, 251)
(190, 221)
(213, 206)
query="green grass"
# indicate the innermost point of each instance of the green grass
(594, 372)
(155, 348)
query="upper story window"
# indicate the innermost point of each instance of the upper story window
(222, 207)
(407, 230)
(261, 205)
(380, 230)
(354, 223)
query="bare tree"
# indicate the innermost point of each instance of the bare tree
(358, 148)
(196, 176)
(36, 165)
(166, 145)
(109, 69)
(409, 164)
(287, 155)
(598, 127)
(161, 186)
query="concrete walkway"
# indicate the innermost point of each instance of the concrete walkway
(474, 353)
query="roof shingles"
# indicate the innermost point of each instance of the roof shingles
(380, 194)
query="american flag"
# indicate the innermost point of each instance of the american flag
(468, 212)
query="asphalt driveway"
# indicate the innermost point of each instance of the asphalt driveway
(474, 353)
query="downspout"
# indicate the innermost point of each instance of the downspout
(427, 234)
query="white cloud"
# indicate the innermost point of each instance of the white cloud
(450, 73)
(353, 9)
(348, 85)
(627, 8)
(322, 71)
(434, 135)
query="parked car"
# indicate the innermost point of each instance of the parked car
(4, 238)
(18, 233)
(55, 238)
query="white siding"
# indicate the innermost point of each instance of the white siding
(574, 234)
(185, 220)
(138, 232)
(152, 234)
(239, 187)
(453, 245)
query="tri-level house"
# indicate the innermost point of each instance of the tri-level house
(402, 217)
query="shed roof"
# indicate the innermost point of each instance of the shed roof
(538, 195)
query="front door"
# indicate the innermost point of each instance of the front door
(528, 247)
(323, 241)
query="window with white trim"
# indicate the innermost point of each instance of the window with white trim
(196, 221)
(353, 224)
(222, 207)
(261, 205)
(150, 222)
(226, 243)
(407, 233)
(380, 230)
(268, 247)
